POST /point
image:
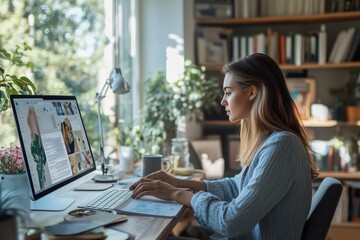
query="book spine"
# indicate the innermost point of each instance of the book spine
(322, 45)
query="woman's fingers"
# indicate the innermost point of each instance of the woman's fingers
(143, 187)
(144, 179)
(154, 188)
(156, 175)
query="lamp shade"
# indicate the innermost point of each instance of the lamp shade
(118, 83)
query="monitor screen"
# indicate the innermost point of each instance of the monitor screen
(54, 142)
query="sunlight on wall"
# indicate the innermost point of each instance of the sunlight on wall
(174, 58)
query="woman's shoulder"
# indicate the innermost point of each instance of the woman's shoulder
(283, 135)
(283, 138)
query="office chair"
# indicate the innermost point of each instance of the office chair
(322, 210)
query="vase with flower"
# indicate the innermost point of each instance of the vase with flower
(14, 189)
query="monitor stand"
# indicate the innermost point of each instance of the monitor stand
(110, 177)
(51, 204)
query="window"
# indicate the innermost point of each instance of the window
(75, 45)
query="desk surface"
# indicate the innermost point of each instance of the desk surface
(138, 227)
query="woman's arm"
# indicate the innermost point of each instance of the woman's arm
(176, 182)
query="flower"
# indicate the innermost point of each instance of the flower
(11, 160)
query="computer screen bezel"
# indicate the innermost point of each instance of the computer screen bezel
(33, 194)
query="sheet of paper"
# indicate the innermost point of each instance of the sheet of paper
(150, 206)
(128, 181)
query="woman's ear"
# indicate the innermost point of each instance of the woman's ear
(253, 92)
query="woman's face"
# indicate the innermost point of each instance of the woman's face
(237, 101)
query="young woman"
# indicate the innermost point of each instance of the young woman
(271, 197)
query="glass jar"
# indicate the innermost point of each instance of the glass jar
(180, 153)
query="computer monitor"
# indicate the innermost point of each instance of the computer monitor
(54, 144)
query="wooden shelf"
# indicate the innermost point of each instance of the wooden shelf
(342, 65)
(328, 17)
(340, 175)
(321, 66)
(348, 231)
(215, 123)
(307, 123)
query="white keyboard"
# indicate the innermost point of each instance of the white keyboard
(107, 201)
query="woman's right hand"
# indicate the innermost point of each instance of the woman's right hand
(162, 176)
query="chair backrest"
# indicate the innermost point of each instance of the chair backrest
(322, 210)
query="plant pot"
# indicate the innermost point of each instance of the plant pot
(337, 113)
(352, 113)
(8, 226)
(14, 196)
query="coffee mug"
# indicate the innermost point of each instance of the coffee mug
(153, 163)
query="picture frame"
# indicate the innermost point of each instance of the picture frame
(302, 91)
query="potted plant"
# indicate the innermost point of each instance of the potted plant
(13, 182)
(14, 198)
(347, 98)
(167, 104)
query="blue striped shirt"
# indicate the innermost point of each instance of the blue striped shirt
(270, 199)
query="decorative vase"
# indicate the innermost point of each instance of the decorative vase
(180, 153)
(127, 159)
(14, 197)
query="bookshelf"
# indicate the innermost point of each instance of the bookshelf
(327, 75)
(307, 123)
(326, 17)
(287, 67)
(340, 175)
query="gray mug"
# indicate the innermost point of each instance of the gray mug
(153, 163)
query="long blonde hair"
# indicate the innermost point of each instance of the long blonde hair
(273, 108)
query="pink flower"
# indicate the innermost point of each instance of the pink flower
(11, 160)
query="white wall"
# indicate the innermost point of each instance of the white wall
(157, 19)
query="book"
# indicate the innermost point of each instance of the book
(235, 48)
(344, 45)
(243, 47)
(354, 47)
(97, 233)
(282, 50)
(288, 51)
(335, 49)
(212, 45)
(299, 49)
(261, 43)
(79, 225)
(322, 45)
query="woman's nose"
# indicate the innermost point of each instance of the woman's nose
(223, 102)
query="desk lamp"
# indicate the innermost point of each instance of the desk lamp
(119, 85)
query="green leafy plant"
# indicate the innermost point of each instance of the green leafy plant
(168, 104)
(10, 82)
(347, 94)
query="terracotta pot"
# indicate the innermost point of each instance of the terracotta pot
(352, 113)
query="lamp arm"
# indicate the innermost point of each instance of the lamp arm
(99, 97)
